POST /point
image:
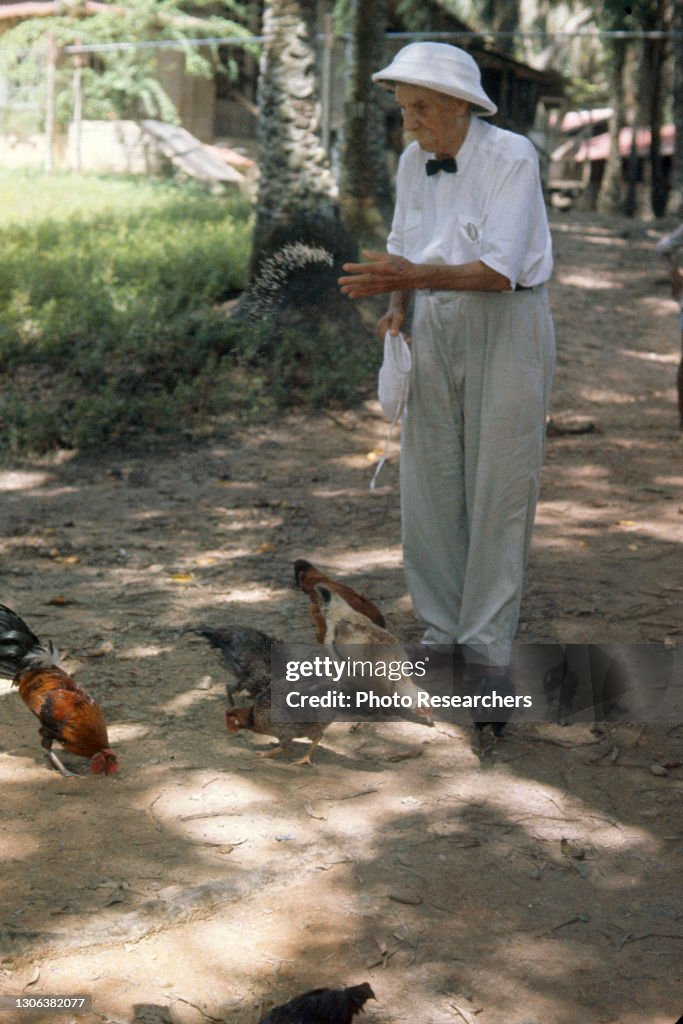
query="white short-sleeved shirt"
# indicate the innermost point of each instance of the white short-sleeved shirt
(492, 209)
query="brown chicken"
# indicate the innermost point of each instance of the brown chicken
(322, 1006)
(247, 654)
(257, 718)
(67, 714)
(307, 576)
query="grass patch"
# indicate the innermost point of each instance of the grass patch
(114, 324)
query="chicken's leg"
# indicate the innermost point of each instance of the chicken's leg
(306, 759)
(64, 772)
(271, 753)
(46, 744)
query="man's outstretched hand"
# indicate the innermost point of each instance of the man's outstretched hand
(381, 274)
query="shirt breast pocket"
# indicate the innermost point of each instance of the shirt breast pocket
(470, 232)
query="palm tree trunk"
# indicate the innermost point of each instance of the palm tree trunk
(367, 193)
(299, 241)
(297, 198)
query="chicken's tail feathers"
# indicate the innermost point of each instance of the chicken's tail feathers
(19, 645)
(235, 643)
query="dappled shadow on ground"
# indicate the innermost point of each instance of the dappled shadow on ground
(534, 884)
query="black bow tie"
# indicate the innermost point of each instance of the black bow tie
(448, 165)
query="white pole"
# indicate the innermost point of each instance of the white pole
(76, 164)
(50, 102)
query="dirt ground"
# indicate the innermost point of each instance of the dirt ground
(539, 885)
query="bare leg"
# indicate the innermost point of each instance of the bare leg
(51, 756)
(271, 753)
(306, 759)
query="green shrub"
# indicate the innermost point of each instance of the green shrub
(113, 317)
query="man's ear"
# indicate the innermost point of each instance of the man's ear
(461, 107)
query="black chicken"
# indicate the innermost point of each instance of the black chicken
(322, 1006)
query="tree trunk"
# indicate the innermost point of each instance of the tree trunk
(610, 198)
(505, 18)
(297, 193)
(650, 95)
(367, 193)
(676, 199)
(655, 55)
(309, 332)
(632, 173)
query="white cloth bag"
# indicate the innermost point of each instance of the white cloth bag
(392, 387)
(394, 376)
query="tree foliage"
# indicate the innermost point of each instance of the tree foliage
(123, 82)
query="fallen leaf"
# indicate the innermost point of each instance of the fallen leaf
(405, 755)
(34, 977)
(311, 813)
(411, 899)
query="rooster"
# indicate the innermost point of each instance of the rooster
(344, 625)
(66, 713)
(307, 576)
(322, 1006)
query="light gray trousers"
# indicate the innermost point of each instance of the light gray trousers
(471, 453)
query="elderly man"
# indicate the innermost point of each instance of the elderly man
(470, 241)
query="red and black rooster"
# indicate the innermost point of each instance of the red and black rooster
(67, 714)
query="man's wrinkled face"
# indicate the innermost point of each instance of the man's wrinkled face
(432, 118)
